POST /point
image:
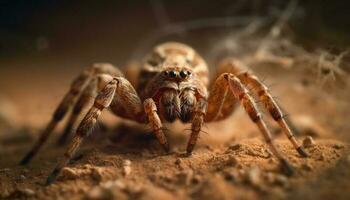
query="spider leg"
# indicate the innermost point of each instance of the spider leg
(76, 87)
(197, 123)
(102, 101)
(85, 98)
(87, 95)
(221, 102)
(241, 93)
(270, 104)
(155, 122)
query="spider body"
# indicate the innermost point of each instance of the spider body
(173, 83)
(175, 77)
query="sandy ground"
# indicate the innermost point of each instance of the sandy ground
(230, 162)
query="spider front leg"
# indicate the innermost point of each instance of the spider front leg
(197, 123)
(102, 101)
(116, 93)
(87, 95)
(155, 122)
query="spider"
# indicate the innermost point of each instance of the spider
(173, 84)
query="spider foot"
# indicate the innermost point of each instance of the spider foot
(27, 158)
(286, 167)
(52, 177)
(302, 152)
(189, 149)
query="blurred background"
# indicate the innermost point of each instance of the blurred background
(88, 31)
(299, 49)
(45, 43)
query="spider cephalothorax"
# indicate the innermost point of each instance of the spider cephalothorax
(172, 84)
(175, 95)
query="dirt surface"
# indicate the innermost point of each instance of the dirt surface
(231, 161)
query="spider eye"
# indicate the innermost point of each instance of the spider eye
(172, 74)
(188, 74)
(183, 74)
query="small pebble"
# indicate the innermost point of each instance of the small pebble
(23, 177)
(276, 179)
(127, 167)
(116, 183)
(96, 174)
(178, 161)
(68, 173)
(338, 146)
(63, 190)
(272, 160)
(281, 179)
(232, 160)
(322, 157)
(87, 166)
(308, 142)
(232, 175)
(28, 192)
(307, 167)
(254, 176)
(196, 179)
(146, 153)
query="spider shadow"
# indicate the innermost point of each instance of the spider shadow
(134, 139)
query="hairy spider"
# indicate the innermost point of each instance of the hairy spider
(173, 83)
